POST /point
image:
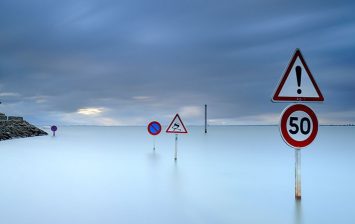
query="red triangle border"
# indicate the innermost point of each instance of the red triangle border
(167, 130)
(277, 98)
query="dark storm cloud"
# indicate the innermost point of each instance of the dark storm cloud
(146, 59)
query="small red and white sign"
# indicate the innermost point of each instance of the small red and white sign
(297, 83)
(298, 126)
(176, 126)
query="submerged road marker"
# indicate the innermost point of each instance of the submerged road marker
(298, 124)
(54, 129)
(154, 128)
(176, 127)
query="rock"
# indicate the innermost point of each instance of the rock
(16, 127)
(13, 118)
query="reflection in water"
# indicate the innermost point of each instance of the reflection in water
(176, 180)
(298, 212)
(153, 158)
(213, 182)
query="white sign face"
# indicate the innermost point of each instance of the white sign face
(305, 87)
(297, 83)
(299, 125)
(177, 126)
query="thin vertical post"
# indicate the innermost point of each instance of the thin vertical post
(176, 142)
(298, 174)
(205, 118)
(154, 142)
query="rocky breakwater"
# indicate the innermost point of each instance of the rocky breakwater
(15, 127)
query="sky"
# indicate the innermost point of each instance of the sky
(105, 62)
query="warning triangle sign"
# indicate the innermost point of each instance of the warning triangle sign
(176, 126)
(297, 83)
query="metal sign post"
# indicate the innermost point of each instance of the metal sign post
(176, 143)
(298, 174)
(154, 142)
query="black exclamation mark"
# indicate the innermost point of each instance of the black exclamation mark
(298, 76)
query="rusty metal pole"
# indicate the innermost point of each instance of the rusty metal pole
(298, 174)
(205, 118)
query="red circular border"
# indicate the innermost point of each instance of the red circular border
(154, 122)
(283, 126)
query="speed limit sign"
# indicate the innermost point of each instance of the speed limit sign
(298, 126)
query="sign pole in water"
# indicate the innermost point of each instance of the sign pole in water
(176, 127)
(298, 128)
(298, 174)
(205, 118)
(154, 128)
(176, 143)
(298, 123)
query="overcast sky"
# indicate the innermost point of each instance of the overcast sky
(128, 62)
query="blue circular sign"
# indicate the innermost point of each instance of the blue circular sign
(54, 128)
(154, 128)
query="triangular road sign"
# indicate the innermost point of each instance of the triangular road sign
(176, 126)
(297, 83)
